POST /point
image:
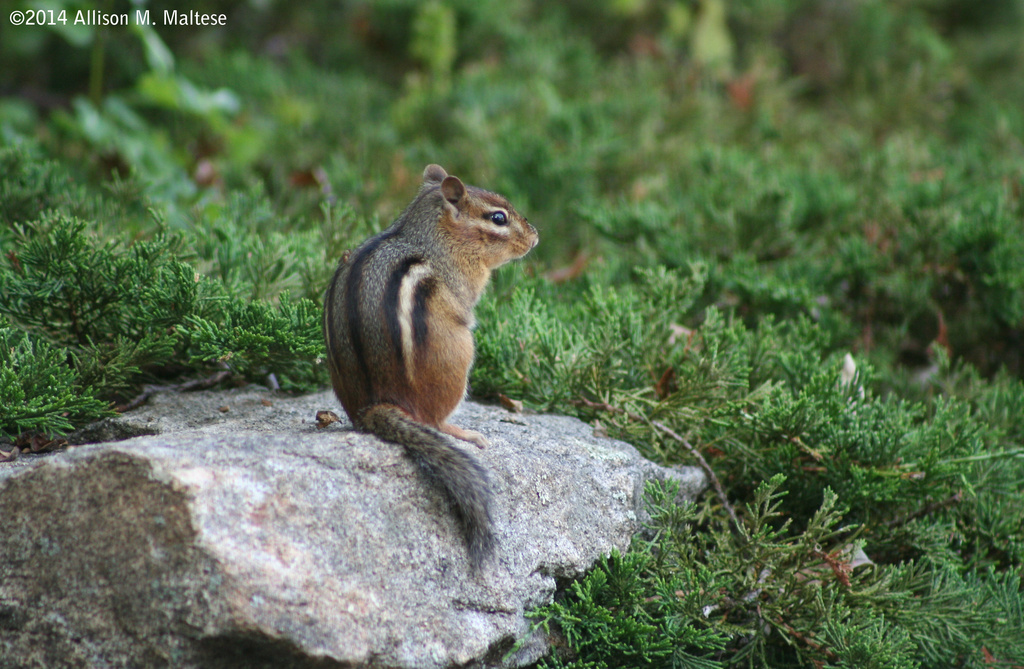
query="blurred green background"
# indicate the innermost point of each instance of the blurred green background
(861, 155)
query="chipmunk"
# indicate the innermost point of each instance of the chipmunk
(398, 320)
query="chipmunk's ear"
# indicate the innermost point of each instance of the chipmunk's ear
(433, 174)
(453, 190)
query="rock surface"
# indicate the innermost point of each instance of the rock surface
(239, 534)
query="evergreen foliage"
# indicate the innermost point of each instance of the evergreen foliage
(255, 339)
(37, 390)
(926, 486)
(33, 185)
(96, 319)
(699, 593)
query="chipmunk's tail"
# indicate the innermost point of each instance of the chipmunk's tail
(458, 472)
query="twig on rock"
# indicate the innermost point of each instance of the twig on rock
(194, 384)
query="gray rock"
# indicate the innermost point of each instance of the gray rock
(239, 534)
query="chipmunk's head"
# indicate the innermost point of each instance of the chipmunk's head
(482, 224)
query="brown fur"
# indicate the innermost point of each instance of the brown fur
(444, 237)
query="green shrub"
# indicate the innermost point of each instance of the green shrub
(37, 392)
(90, 321)
(701, 593)
(255, 339)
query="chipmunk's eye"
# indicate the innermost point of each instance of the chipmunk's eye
(498, 218)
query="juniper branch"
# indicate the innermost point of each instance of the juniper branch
(719, 490)
(927, 510)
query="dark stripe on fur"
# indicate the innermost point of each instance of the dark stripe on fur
(391, 306)
(419, 311)
(354, 318)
